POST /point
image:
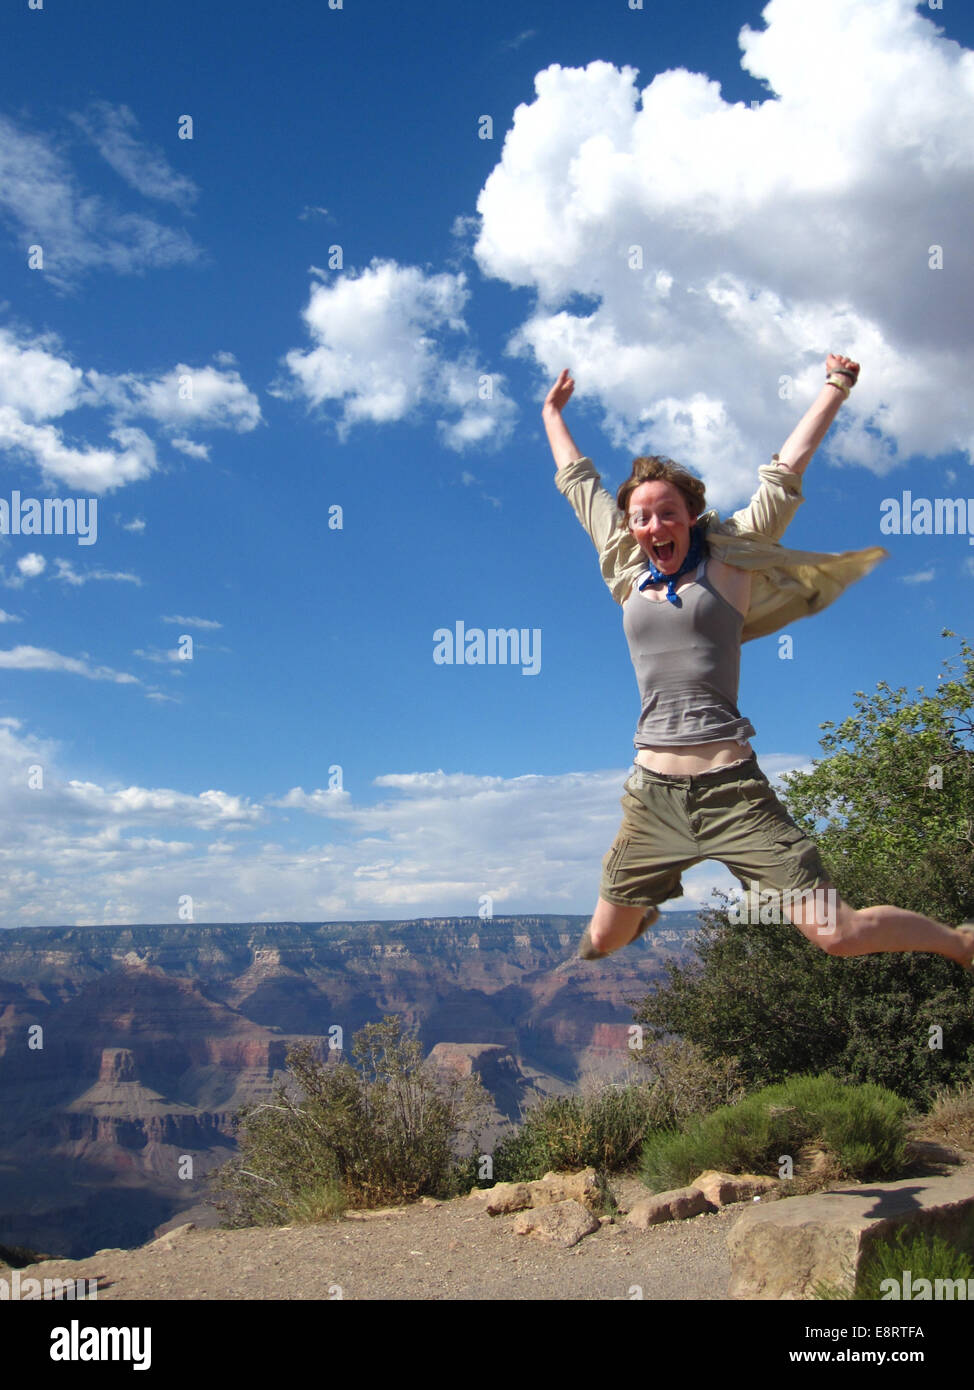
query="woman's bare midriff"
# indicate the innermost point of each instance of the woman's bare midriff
(734, 586)
(691, 758)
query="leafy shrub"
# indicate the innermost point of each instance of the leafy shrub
(605, 1125)
(925, 1256)
(382, 1132)
(603, 1129)
(862, 1127)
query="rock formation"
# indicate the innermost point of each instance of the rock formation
(125, 1052)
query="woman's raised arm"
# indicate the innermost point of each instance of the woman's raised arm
(797, 450)
(563, 447)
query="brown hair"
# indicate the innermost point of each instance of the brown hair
(653, 468)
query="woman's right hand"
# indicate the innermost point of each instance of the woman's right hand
(558, 397)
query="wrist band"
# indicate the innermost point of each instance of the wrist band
(844, 371)
(839, 384)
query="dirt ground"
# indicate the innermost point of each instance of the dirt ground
(430, 1251)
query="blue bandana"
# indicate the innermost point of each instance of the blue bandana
(698, 549)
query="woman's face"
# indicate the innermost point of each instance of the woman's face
(660, 521)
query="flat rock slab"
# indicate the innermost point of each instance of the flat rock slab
(679, 1204)
(563, 1223)
(782, 1250)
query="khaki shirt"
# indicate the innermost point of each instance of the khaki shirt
(786, 584)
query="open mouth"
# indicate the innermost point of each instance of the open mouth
(664, 552)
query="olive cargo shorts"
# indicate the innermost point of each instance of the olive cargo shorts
(729, 814)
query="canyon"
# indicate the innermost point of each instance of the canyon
(127, 1051)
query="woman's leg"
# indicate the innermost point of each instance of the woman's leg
(841, 930)
(613, 926)
(653, 846)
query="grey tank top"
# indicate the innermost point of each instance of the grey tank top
(688, 665)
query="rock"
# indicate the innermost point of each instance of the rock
(782, 1250)
(678, 1204)
(582, 1187)
(165, 1241)
(562, 1223)
(155, 1036)
(504, 1197)
(721, 1189)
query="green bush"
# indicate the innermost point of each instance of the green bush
(604, 1129)
(925, 1256)
(338, 1136)
(605, 1126)
(862, 1127)
(890, 807)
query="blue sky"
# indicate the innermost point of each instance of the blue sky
(350, 290)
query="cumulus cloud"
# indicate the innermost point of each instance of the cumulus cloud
(39, 385)
(385, 349)
(85, 469)
(321, 802)
(190, 448)
(694, 260)
(207, 810)
(31, 565)
(433, 844)
(200, 396)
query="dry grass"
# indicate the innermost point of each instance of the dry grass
(950, 1119)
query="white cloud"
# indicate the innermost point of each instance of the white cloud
(31, 565)
(190, 448)
(321, 802)
(40, 659)
(34, 381)
(169, 656)
(384, 352)
(76, 230)
(83, 469)
(192, 622)
(112, 130)
(200, 396)
(9, 617)
(206, 811)
(38, 384)
(768, 237)
(433, 845)
(70, 575)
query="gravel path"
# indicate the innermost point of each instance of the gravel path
(431, 1251)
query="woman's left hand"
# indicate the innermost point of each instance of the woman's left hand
(834, 361)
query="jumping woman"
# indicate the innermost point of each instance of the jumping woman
(692, 588)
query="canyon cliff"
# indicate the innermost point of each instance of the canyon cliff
(125, 1052)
